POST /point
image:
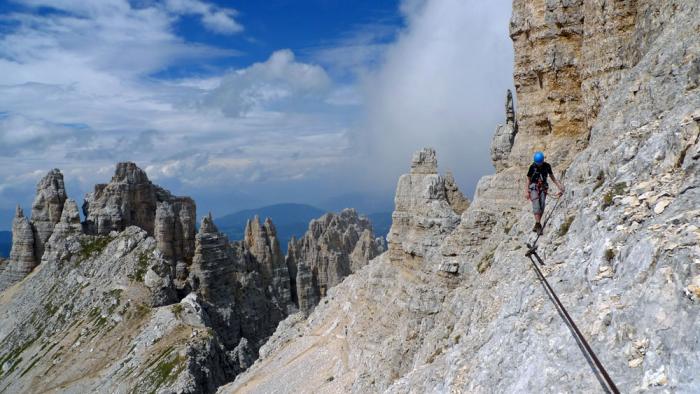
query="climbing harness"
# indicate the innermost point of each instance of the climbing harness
(607, 382)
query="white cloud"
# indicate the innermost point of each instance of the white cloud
(441, 84)
(77, 92)
(218, 20)
(264, 84)
(357, 51)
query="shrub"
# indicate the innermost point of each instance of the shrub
(485, 262)
(609, 254)
(600, 179)
(566, 225)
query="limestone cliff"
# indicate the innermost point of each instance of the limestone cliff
(29, 236)
(22, 259)
(609, 90)
(334, 246)
(262, 244)
(47, 208)
(131, 199)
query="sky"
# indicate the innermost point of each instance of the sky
(246, 103)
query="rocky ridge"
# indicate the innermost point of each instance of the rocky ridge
(133, 300)
(455, 306)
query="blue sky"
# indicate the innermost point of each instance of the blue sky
(245, 103)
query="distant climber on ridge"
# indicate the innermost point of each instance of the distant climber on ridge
(537, 187)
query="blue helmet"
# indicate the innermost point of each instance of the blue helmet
(538, 158)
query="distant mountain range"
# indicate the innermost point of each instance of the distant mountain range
(5, 243)
(290, 220)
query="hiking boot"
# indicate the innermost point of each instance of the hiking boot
(537, 229)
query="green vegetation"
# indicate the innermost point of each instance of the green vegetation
(485, 262)
(141, 268)
(138, 311)
(607, 199)
(14, 356)
(600, 179)
(609, 254)
(30, 366)
(166, 371)
(92, 246)
(163, 370)
(564, 229)
(177, 309)
(50, 309)
(617, 190)
(114, 299)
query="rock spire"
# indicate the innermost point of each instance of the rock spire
(335, 246)
(131, 199)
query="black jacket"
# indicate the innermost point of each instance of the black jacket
(535, 172)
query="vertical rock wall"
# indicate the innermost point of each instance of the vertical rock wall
(570, 56)
(421, 209)
(262, 243)
(29, 237)
(130, 199)
(47, 208)
(335, 246)
(22, 259)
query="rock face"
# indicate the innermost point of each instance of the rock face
(240, 300)
(47, 208)
(140, 301)
(308, 294)
(70, 219)
(504, 137)
(608, 90)
(455, 198)
(30, 236)
(262, 243)
(22, 259)
(130, 199)
(335, 246)
(83, 322)
(421, 209)
(547, 38)
(174, 231)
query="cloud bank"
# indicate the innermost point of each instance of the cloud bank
(441, 84)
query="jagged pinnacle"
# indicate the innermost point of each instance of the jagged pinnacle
(208, 226)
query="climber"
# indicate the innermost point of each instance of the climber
(537, 187)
